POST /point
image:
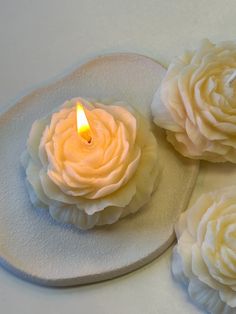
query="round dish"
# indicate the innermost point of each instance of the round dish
(38, 249)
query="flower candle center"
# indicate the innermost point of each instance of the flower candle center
(229, 88)
(232, 78)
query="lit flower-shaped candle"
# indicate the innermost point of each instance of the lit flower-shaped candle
(91, 164)
(196, 103)
(205, 256)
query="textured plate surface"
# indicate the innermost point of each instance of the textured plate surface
(40, 250)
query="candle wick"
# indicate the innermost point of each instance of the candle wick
(231, 78)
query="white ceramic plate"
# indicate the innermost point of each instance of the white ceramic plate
(35, 247)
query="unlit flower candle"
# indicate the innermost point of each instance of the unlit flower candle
(196, 102)
(204, 258)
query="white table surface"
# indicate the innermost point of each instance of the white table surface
(41, 39)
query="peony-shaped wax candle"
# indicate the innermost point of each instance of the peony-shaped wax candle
(196, 102)
(204, 258)
(91, 164)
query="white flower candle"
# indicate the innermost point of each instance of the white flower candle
(91, 166)
(196, 103)
(205, 256)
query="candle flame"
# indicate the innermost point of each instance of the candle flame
(83, 127)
